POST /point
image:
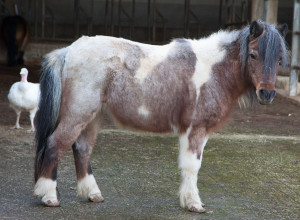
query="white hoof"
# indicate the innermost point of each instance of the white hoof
(88, 188)
(96, 198)
(191, 201)
(50, 201)
(46, 189)
(195, 207)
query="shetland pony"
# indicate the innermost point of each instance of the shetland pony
(15, 32)
(187, 86)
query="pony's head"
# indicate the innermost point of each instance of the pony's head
(264, 50)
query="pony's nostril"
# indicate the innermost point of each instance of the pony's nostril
(263, 93)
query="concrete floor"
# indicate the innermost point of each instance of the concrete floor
(242, 177)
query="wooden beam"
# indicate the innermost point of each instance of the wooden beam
(257, 10)
(272, 10)
(295, 49)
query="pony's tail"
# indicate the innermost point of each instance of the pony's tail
(49, 104)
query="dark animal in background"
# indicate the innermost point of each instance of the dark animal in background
(15, 32)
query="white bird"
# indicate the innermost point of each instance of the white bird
(24, 96)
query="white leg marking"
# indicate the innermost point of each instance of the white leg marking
(88, 188)
(189, 165)
(46, 189)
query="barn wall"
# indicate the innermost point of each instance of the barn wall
(63, 10)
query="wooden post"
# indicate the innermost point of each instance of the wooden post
(272, 10)
(257, 10)
(295, 49)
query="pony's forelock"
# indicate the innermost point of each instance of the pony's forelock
(269, 51)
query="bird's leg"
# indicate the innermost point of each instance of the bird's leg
(32, 115)
(17, 126)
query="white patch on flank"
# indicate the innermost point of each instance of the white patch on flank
(46, 188)
(209, 51)
(142, 110)
(154, 55)
(87, 187)
(189, 165)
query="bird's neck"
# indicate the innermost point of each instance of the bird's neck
(23, 78)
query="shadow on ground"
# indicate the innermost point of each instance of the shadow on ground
(250, 169)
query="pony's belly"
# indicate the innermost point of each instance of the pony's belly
(141, 119)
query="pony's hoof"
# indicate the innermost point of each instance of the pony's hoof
(51, 202)
(194, 207)
(96, 198)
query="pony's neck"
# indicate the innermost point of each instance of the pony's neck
(230, 70)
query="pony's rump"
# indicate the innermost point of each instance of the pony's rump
(47, 117)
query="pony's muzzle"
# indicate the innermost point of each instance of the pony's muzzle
(265, 96)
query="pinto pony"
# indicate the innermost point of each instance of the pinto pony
(187, 86)
(15, 32)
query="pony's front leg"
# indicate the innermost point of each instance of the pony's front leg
(82, 149)
(190, 157)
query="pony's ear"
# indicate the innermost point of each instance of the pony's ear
(283, 29)
(256, 29)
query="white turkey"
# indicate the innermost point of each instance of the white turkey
(24, 96)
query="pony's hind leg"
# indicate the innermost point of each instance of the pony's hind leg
(82, 149)
(190, 157)
(62, 139)
(75, 114)
(58, 143)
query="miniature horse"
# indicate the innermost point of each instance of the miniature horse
(187, 86)
(15, 32)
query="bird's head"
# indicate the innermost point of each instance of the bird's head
(24, 73)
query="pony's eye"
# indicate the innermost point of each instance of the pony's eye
(252, 56)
